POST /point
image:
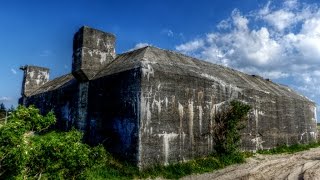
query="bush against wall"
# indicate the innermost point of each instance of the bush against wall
(227, 125)
(28, 150)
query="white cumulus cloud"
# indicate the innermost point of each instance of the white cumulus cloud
(280, 42)
(139, 45)
(224, 24)
(4, 99)
(191, 46)
(280, 19)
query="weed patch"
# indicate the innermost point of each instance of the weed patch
(289, 149)
(173, 171)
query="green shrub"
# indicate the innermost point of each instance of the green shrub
(24, 153)
(14, 142)
(29, 151)
(32, 119)
(289, 149)
(226, 129)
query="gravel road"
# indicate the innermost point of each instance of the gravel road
(301, 165)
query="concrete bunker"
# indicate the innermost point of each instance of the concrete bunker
(153, 106)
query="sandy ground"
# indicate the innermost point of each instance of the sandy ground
(301, 165)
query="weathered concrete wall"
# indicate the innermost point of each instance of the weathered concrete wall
(92, 49)
(105, 109)
(82, 106)
(114, 112)
(63, 100)
(33, 78)
(177, 114)
(276, 120)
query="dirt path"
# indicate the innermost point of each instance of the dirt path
(301, 165)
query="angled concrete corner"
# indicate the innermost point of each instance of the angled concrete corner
(92, 49)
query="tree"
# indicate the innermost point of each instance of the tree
(2, 107)
(2, 111)
(11, 109)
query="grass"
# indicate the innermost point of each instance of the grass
(202, 165)
(116, 170)
(289, 149)
(173, 171)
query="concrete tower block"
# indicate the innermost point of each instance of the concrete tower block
(92, 49)
(33, 78)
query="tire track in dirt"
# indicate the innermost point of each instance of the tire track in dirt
(301, 165)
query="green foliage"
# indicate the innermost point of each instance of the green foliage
(227, 126)
(62, 155)
(32, 119)
(26, 152)
(14, 143)
(289, 149)
(110, 171)
(173, 171)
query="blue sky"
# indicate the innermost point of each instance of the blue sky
(277, 39)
